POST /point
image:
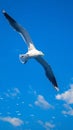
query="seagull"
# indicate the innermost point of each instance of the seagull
(32, 51)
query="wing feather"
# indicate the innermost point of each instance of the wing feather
(19, 29)
(48, 71)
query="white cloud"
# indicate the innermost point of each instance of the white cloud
(13, 121)
(41, 102)
(67, 96)
(47, 125)
(12, 92)
(68, 111)
(16, 90)
(30, 105)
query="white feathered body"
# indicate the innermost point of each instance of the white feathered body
(30, 54)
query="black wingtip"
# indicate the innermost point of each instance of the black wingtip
(56, 85)
(10, 19)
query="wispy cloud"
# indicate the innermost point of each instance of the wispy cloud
(41, 102)
(68, 111)
(30, 105)
(12, 92)
(13, 121)
(47, 125)
(67, 97)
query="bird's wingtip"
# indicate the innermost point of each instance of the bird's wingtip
(57, 88)
(3, 11)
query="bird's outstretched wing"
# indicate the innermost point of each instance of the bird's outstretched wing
(24, 33)
(48, 71)
(19, 29)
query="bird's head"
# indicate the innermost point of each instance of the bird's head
(23, 58)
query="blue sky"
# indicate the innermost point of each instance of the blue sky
(27, 99)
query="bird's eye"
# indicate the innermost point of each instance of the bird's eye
(22, 56)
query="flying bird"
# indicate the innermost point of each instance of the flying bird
(32, 51)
